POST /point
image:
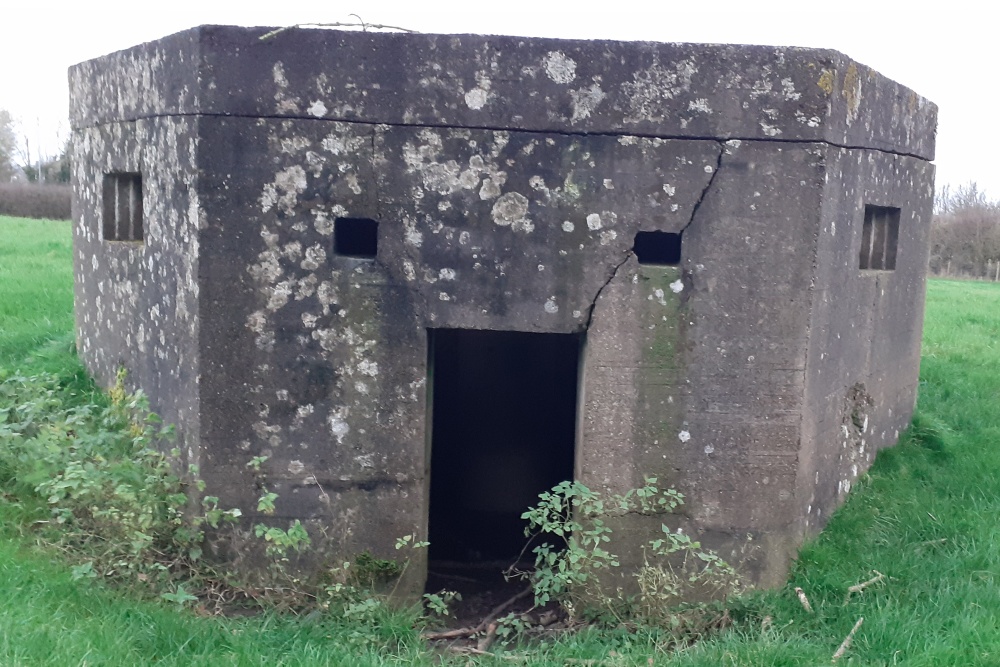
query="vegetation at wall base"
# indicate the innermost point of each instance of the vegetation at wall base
(918, 539)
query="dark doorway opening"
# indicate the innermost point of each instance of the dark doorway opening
(503, 419)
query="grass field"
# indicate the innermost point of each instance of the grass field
(36, 294)
(927, 517)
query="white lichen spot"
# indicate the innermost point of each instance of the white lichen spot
(338, 427)
(559, 67)
(326, 293)
(309, 320)
(278, 73)
(284, 191)
(367, 367)
(265, 341)
(317, 109)
(568, 226)
(315, 256)
(280, 294)
(411, 235)
(292, 145)
(550, 306)
(709, 449)
(444, 296)
(322, 223)
(651, 90)
(594, 222)
(352, 183)
(700, 104)
(408, 270)
(669, 189)
(257, 321)
(477, 98)
(285, 103)
(585, 101)
(292, 251)
(658, 293)
(770, 130)
(343, 144)
(788, 87)
(463, 238)
(709, 169)
(683, 436)
(446, 274)
(296, 467)
(607, 236)
(609, 184)
(512, 210)
(489, 190)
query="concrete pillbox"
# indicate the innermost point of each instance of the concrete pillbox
(431, 275)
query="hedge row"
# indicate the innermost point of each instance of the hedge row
(25, 200)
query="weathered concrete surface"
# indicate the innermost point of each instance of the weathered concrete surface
(509, 178)
(137, 303)
(640, 88)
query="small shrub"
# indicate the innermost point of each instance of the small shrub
(569, 569)
(112, 497)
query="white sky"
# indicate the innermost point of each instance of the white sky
(946, 52)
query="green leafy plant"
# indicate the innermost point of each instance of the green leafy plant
(180, 597)
(279, 541)
(571, 520)
(105, 477)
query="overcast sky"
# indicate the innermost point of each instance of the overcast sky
(947, 53)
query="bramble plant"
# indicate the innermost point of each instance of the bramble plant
(568, 569)
(97, 470)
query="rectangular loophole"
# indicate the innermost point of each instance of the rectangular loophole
(879, 238)
(122, 210)
(355, 237)
(659, 248)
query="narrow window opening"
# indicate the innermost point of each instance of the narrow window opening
(879, 238)
(659, 248)
(503, 416)
(122, 214)
(355, 237)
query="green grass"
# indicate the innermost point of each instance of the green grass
(927, 516)
(36, 294)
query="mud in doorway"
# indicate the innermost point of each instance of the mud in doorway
(503, 415)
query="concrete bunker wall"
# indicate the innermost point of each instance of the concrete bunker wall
(295, 266)
(137, 301)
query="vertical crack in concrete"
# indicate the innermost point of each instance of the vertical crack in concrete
(708, 186)
(593, 303)
(694, 212)
(375, 172)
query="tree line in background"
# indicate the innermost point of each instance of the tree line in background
(965, 234)
(31, 186)
(18, 163)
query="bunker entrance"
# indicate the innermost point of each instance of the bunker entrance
(503, 420)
